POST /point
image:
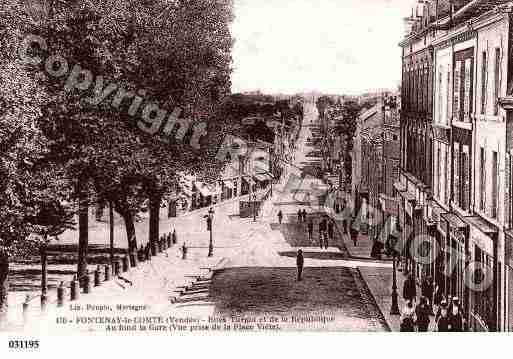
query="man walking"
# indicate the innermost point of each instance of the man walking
(427, 291)
(331, 231)
(310, 229)
(299, 215)
(280, 216)
(300, 261)
(304, 215)
(322, 229)
(353, 230)
(410, 289)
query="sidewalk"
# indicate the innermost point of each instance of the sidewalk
(153, 283)
(379, 280)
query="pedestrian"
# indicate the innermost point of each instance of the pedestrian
(280, 216)
(442, 322)
(331, 231)
(408, 318)
(304, 215)
(354, 232)
(423, 311)
(299, 215)
(310, 229)
(410, 289)
(438, 292)
(427, 291)
(321, 233)
(456, 316)
(300, 261)
(173, 236)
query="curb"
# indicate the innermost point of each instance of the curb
(373, 308)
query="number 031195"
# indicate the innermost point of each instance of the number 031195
(23, 344)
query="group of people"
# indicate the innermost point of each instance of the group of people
(449, 315)
(301, 216)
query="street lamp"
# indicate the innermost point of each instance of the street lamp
(254, 207)
(394, 309)
(210, 220)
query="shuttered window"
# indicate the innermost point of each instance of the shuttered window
(507, 194)
(456, 90)
(465, 178)
(447, 175)
(456, 170)
(496, 78)
(438, 173)
(482, 180)
(494, 184)
(467, 87)
(484, 70)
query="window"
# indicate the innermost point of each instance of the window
(447, 108)
(482, 180)
(456, 90)
(440, 97)
(456, 170)
(467, 87)
(494, 184)
(465, 178)
(496, 82)
(438, 173)
(447, 175)
(507, 194)
(484, 70)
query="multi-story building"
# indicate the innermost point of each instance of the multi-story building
(455, 150)
(375, 163)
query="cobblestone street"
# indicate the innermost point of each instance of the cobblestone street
(261, 278)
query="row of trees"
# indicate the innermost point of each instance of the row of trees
(346, 117)
(59, 153)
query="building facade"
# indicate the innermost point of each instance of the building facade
(456, 165)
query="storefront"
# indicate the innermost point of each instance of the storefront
(203, 195)
(483, 281)
(454, 251)
(408, 233)
(389, 207)
(229, 187)
(263, 180)
(437, 229)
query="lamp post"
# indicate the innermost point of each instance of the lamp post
(254, 207)
(210, 220)
(394, 309)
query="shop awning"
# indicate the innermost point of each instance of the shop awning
(399, 187)
(249, 181)
(454, 221)
(261, 177)
(389, 204)
(215, 191)
(229, 184)
(482, 225)
(407, 195)
(203, 189)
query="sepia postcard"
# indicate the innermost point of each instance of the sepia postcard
(175, 167)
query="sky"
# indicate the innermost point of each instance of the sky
(330, 46)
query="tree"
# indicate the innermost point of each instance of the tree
(25, 188)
